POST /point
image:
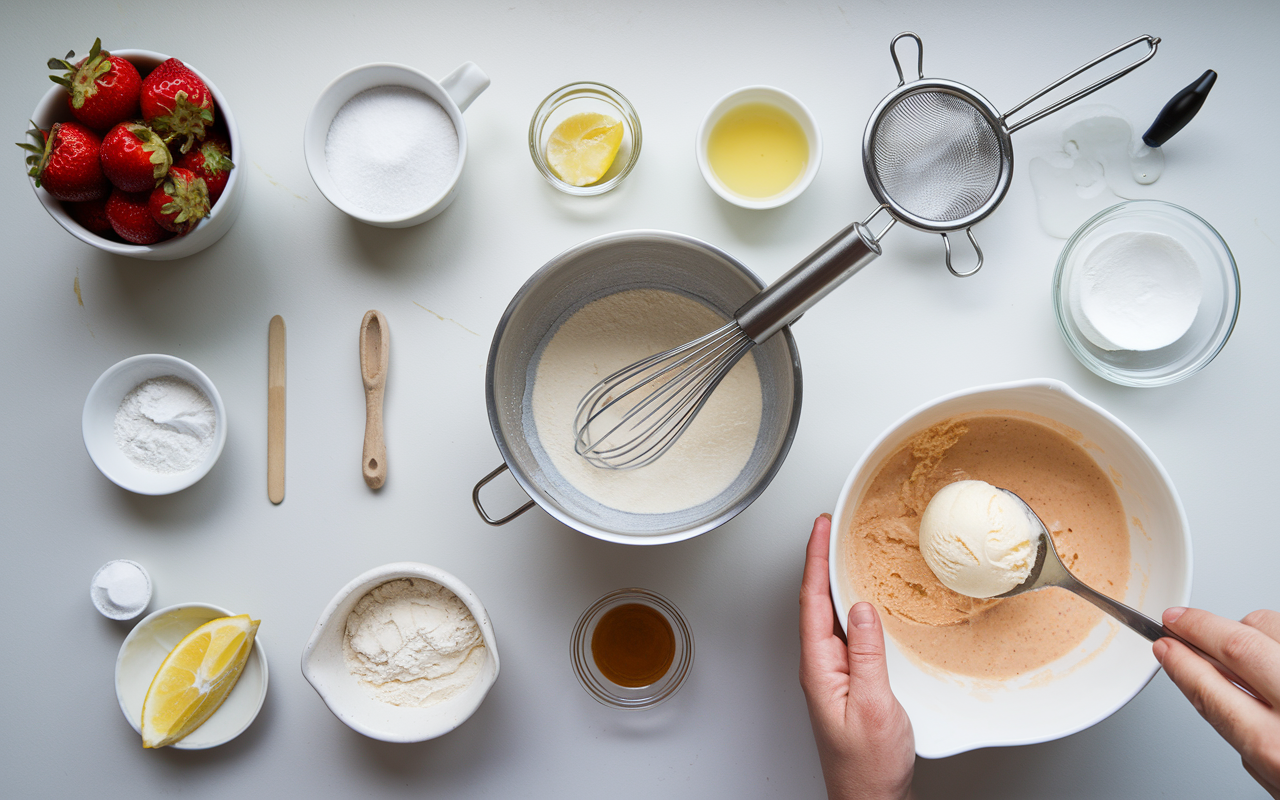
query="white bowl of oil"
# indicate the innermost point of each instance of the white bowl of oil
(759, 147)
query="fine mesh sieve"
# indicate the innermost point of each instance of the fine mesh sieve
(938, 155)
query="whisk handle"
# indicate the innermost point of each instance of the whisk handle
(783, 301)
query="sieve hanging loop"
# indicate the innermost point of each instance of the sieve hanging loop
(919, 56)
(1151, 41)
(947, 244)
(892, 221)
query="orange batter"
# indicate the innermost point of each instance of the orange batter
(1041, 462)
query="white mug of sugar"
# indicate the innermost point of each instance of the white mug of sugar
(385, 143)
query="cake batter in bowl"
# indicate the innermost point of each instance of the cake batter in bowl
(549, 302)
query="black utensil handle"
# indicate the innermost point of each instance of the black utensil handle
(1179, 110)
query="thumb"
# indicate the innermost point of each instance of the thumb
(868, 672)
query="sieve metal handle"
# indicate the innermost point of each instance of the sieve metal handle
(919, 55)
(947, 244)
(1151, 41)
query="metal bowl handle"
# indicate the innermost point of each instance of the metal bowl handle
(484, 515)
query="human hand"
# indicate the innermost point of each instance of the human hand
(1250, 648)
(863, 734)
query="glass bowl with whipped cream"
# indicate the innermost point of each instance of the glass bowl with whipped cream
(1146, 293)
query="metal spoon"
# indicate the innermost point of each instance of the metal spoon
(1050, 571)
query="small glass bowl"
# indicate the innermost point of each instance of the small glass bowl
(578, 98)
(1219, 303)
(606, 691)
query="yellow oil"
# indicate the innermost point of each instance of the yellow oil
(757, 150)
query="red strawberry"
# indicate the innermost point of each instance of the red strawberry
(134, 158)
(103, 89)
(92, 216)
(211, 161)
(67, 166)
(180, 202)
(176, 103)
(131, 218)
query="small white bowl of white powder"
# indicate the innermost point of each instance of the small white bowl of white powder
(386, 143)
(154, 424)
(403, 653)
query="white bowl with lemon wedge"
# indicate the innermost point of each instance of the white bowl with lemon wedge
(154, 638)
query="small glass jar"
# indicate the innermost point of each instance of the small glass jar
(615, 695)
(578, 98)
(1214, 320)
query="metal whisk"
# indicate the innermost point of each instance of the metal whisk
(938, 157)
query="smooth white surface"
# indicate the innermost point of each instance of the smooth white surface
(145, 649)
(900, 332)
(954, 713)
(324, 666)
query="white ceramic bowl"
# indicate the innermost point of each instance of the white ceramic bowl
(952, 713)
(454, 94)
(97, 423)
(145, 648)
(775, 97)
(326, 670)
(53, 108)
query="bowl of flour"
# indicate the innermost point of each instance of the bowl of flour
(595, 308)
(403, 653)
(154, 424)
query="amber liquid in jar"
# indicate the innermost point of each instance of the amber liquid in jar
(633, 645)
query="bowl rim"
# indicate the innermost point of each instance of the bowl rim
(189, 477)
(530, 487)
(790, 103)
(1061, 301)
(317, 161)
(59, 214)
(845, 503)
(563, 95)
(259, 653)
(367, 581)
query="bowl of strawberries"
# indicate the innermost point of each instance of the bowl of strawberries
(134, 152)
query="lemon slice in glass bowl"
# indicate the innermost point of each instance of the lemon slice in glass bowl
(195, 678)
(582, 147)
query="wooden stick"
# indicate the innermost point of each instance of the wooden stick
(275, 409)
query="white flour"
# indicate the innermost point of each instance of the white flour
(391, 149)
(165, 425)
(611, 333)
(412, 642)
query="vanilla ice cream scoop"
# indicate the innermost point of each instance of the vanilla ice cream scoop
(977, 539)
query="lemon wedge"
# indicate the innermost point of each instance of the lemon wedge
(583, 146)
(195, 678)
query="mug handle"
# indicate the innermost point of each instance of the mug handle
(465, 84)
(484, 515)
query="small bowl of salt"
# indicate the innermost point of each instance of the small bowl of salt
(120, 589)
(386, 144)
(154, 424)
(1146, 293)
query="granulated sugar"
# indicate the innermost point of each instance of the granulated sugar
(391, 150)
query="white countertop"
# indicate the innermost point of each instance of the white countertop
(898, 334)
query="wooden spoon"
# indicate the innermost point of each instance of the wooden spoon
(275, 409)
(375, 351)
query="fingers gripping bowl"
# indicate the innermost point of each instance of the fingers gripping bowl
(953, 713)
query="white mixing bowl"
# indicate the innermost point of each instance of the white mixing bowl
(954, 713)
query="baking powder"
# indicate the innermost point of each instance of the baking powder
(391, 149)
(412, 642)
(607, 335)
(165, 425)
